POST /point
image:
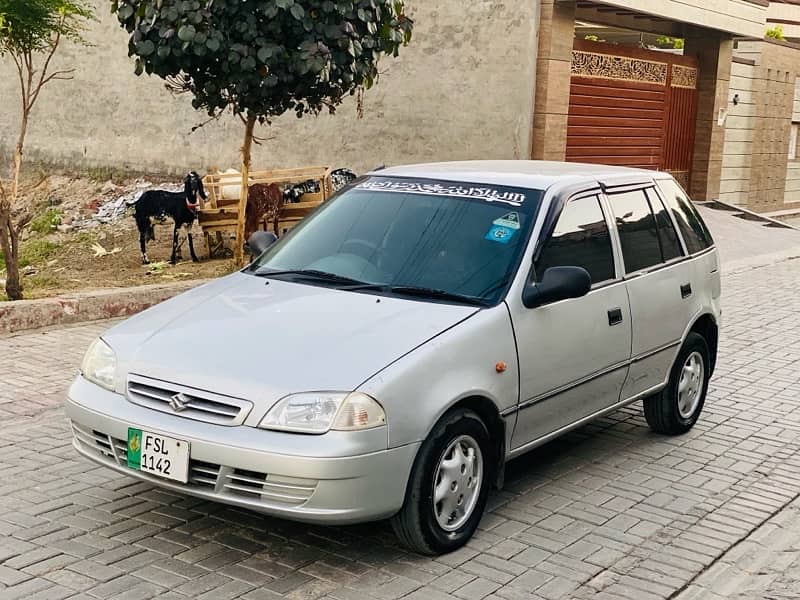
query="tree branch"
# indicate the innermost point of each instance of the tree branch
(65, 75)
(43, 79)
(203, 124)
(28, 55)
(259, 140)
(21, 75)
(33, 186)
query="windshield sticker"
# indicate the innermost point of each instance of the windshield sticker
(511, 220)
(500, 234)
(485, 193)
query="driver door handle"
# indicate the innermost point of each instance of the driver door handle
(614, 316)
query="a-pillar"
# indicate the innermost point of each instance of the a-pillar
(714, 52)
(554, 59)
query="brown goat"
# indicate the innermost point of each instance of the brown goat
(264, 203)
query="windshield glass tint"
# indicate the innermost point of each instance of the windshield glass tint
(460, 238)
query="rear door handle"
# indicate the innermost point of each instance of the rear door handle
(686, 290)
(615, 316)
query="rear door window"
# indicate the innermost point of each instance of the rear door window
(638, 232)
(670, 244)
(693, 230)
(581, 239)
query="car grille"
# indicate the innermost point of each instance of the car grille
(211, 478)
(193, 404)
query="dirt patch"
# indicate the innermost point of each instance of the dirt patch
(68, 249)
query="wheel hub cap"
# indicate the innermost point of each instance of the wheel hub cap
(690, 385)
(457, 483)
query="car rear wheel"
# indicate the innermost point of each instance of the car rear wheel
(677, 407)
(449, 485)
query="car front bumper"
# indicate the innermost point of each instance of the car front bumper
(298, 477)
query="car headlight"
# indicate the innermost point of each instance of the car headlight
(100, 364)
(319, 412)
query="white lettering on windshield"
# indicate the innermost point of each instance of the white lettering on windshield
(411, 187)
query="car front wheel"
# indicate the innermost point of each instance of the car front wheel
(449, 485)
(677, 407)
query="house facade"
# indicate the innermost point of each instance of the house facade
(577, 80)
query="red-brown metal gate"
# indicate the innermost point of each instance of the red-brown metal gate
(632, 107)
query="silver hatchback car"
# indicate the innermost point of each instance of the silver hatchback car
(391, 354)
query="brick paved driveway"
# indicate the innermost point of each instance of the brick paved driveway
(610, 511)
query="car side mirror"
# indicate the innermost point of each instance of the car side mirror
(558, 283)
(259, 242)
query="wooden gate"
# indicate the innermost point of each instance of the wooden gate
(632, 107)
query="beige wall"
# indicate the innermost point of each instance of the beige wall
(734, 16)
(792, 195)
(737, 152)
(463, 89)
(756, 171)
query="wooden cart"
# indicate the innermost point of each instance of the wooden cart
(222, 212)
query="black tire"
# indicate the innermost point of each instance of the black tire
(416, 525)
(662, 410)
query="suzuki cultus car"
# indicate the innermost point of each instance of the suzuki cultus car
(388, 356)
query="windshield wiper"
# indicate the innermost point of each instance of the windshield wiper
(436, 294)
(419, 292)
(354, 285)
(311, 274)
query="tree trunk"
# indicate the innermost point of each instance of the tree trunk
(9, 238)
(23, 130)
(9, 245)
(246, 147)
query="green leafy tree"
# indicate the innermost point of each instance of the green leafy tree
(31, 32)
(776, 33)
(666, 41)
(262, 58)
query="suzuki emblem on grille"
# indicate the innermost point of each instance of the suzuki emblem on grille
(179, 402)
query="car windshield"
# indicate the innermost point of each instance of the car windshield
(426, 239)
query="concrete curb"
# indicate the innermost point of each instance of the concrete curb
(86, 306)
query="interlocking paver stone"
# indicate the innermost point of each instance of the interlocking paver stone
(609, 511)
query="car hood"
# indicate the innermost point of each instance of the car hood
(260, 339)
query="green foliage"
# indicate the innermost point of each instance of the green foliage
(28, 26)
(776, 33)
(46, 222)
(84, 238)
(36, 252)
(666, 41)
(264, 57)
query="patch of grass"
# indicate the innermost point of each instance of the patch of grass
(40, 282)
(46, 222)
(84, 237)
(36, 252)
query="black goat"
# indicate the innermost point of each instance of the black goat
(180, 206)
(339, 178)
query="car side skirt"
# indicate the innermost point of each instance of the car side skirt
(567, 428)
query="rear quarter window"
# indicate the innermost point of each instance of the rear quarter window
(693, 230)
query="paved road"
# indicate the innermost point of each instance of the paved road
(610, 511)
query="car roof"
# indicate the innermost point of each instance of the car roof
(531, 174)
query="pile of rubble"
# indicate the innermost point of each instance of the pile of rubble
(112, 205)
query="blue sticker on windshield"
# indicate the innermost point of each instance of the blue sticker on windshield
(500, 234)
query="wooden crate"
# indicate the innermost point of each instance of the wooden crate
(222, 211)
